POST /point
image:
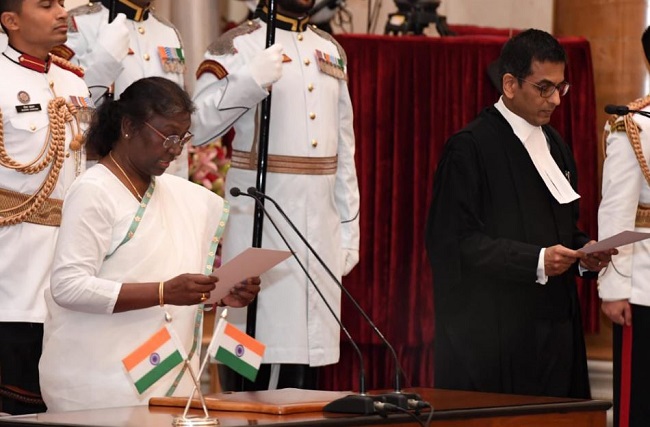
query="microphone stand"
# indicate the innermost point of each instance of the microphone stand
(360, 403)
(398, 397)
(262, 159)
(112, 11)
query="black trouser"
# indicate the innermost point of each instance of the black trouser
(291, 376)
(20, 350)
(637, 384)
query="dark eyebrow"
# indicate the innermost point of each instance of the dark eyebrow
(550, 83)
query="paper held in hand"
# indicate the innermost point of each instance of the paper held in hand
(250, 263)
(620, 239)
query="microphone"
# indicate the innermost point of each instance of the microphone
(397, 397)
(352, 404)
(622, 110)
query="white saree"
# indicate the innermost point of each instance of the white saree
(174, 230)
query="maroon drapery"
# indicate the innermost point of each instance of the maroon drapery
(409, 95)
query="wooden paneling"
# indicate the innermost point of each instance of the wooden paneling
(613, 28)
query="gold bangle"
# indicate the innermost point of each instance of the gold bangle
(161, 293)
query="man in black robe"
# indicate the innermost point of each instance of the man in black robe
(503, 241)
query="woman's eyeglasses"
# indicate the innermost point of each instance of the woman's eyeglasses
(172, 140)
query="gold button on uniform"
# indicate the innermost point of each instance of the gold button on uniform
(312, 116)
(310, 87)
(307, 61)
(67, 154)
(140, 30)
(32, 127)
(314, 143)
(146, 56)
(299, 37)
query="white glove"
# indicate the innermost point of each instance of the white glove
(351, 259)
(266, 66)
(115, 37)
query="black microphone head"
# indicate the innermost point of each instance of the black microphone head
(252, 191)
(235, 192)
(619, 110)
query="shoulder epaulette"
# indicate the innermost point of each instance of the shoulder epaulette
(633, 131)
(327, 36)
(162, 20)
(225, 43)
(63, 51)
(617, 124)
(67, 65)
(169, 24)
(86, 9)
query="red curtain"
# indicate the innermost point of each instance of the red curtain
(409, 95)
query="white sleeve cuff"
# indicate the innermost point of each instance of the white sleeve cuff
(542, 278)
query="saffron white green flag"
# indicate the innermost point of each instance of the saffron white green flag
(232, 347)
(161, 353)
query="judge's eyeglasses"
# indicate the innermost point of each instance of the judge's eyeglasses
(547, 90)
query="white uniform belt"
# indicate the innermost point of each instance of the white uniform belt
(48, 214)
(286, 164)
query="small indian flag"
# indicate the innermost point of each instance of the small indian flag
(153, 359)
(235, 349)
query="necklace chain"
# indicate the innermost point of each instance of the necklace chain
(137, 193)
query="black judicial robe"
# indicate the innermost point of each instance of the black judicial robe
(497, 330)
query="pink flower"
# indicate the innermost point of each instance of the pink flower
(209, 164)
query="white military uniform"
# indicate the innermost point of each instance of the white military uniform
(311, 117)
(624, 190)
(625, 206)
(148, 33)
(27, 248)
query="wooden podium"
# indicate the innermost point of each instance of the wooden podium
(451, 409)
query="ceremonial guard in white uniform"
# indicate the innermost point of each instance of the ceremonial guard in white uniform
(624, 286)
(137, 44)
(45, 107)
(311, 174)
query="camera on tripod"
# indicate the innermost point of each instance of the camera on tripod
(413, 16)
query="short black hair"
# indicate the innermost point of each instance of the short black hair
(139, 102)
(10, 6)
(518, 54)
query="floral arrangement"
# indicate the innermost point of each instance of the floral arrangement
(209, 164)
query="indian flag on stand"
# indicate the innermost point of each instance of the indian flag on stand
(161, 353)
(232, 347)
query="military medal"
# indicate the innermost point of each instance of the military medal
(23, 97)
(330, 65)
(172, 59)
(85, 107)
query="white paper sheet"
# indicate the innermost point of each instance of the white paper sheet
(620, 239)
(250, 263)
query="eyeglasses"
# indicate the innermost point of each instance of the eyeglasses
(172, 140)
(547, 90)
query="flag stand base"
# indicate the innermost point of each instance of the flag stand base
(194, 421)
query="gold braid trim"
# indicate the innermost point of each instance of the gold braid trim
(632, 130)
(59, 114)
(67, 65)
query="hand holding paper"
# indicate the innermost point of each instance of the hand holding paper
(250, 263)
(242, 293)
(598, 254)
(620, 239)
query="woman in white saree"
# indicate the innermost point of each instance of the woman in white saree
(134, 253)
